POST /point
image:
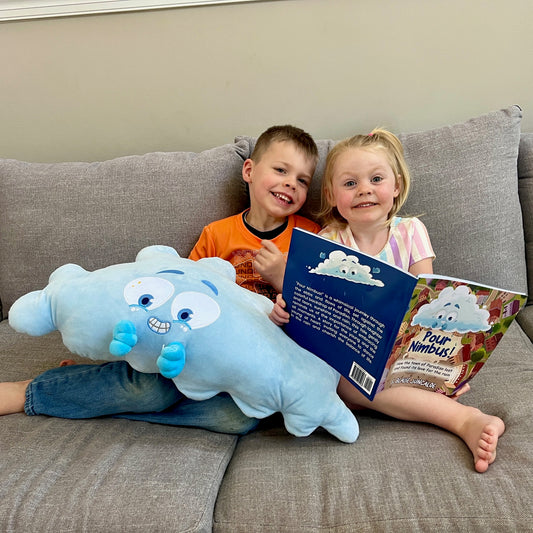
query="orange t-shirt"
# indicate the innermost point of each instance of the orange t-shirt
(231, 240)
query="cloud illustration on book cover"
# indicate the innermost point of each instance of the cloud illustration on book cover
(455, 310)
(348, 267)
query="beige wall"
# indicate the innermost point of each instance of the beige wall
(96, 87)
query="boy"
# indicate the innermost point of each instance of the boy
(278, 175)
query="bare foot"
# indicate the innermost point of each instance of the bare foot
(13, 396)
(481, 433)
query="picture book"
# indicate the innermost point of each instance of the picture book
(380, 326)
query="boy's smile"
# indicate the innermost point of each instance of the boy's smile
(278, 184)
(283, 198)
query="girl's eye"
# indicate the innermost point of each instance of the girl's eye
(147, 293)
(350, 183)
(377, 179)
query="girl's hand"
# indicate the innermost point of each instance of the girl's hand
(278, 315)
(270, 263)
(461, 391)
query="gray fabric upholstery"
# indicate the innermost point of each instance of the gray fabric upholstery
(110, 475)
(398, 477)
(471, 168)
(96, 214)
(105, 475)
(525, 187)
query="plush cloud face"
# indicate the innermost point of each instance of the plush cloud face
(454, 310)
(340, 265)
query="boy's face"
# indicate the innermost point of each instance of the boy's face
(279, 181)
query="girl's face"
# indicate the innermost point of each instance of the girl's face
(364, 186)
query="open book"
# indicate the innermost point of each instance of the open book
(380, 326)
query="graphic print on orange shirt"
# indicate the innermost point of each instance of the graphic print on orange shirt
(247, 276)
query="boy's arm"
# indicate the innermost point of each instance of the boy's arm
(204, 246)
(270, 262)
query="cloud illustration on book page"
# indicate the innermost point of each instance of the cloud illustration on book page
(454, 310)
(348, 267)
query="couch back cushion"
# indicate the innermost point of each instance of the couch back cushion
(525, 189)
(97, 214)
(464, 185)
(465, 189)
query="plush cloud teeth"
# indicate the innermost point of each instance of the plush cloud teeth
(348, 267)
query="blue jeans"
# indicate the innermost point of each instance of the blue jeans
(115, 389)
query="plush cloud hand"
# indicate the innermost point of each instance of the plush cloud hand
(124, 338)
(172, 360)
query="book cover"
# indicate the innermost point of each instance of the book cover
(380, 326)
(345, 306)
(448, 333)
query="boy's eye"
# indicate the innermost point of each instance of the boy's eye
(349, 183)
(377, 179)
(304, 182)
(280, 170)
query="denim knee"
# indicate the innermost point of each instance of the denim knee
(88, 391)
(140, 392)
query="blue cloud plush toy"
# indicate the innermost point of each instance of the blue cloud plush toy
(191, 322)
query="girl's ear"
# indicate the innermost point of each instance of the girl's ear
(398, 187)
(247, 169)
(329, 198)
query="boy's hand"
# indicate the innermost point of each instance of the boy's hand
(270, 263)
(278, 315)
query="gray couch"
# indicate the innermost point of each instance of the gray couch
(473, 186)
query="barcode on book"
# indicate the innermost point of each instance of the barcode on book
(362, 378)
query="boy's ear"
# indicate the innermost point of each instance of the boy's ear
(247, 168)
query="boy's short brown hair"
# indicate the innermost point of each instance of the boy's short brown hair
(287, 133)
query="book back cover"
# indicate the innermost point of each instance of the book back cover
(346, 307)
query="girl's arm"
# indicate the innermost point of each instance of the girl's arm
(424, 266)
(278, 315)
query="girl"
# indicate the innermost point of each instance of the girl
(366, 182)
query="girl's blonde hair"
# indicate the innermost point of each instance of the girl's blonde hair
(378, 139)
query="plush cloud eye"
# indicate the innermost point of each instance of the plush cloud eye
(195, 309)
(148, 293)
